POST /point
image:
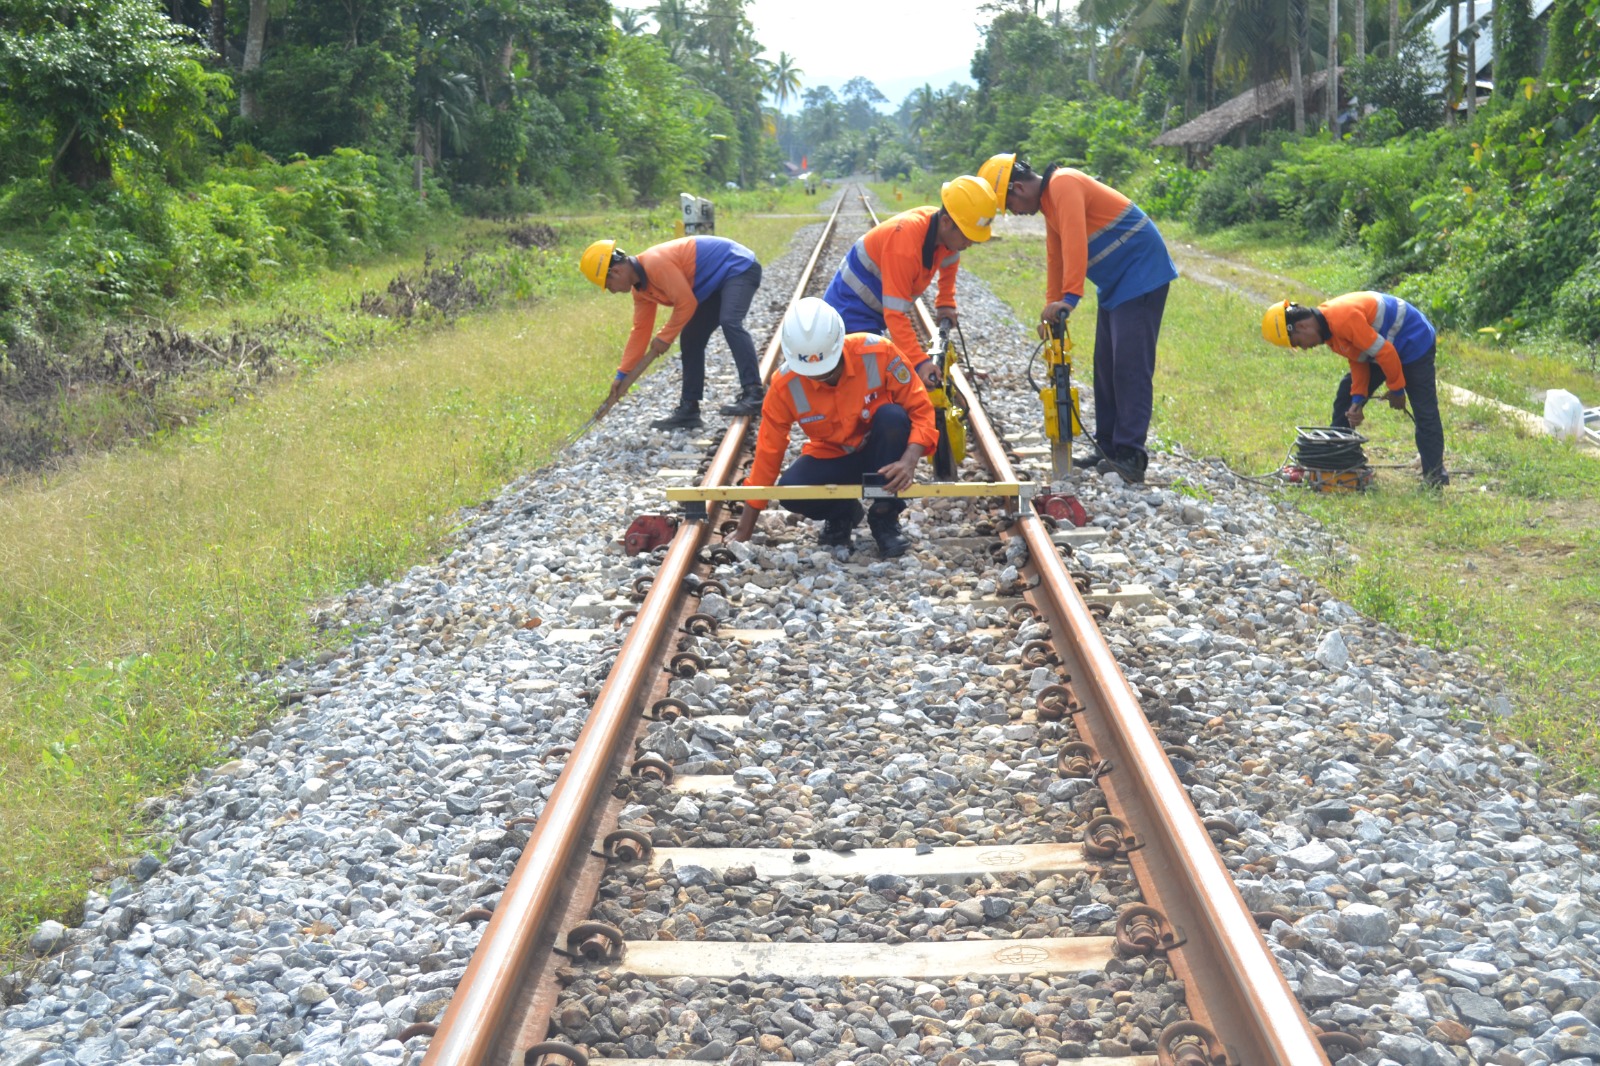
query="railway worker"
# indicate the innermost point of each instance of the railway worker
(1093, 231)
(708, 282)
(856, 402)
(1370, 328)
(886, 270)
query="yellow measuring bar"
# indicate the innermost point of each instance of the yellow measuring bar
(701, 494)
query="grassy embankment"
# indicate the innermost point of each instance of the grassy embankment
(138, 586)
(1505, 564)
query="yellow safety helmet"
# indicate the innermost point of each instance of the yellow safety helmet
(596, 261)
(997, 172)
(969, 202)
(1275, 323)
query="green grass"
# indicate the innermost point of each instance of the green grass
(1505, 564)
(139, 586)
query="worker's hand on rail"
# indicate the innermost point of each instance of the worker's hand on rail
(747, 524)
(929, 373)
(1356, 415)
(900, 473)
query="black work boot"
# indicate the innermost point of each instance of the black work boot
(885, 526)
(748, 403)
(1087, 460)
(836, 532)
(683, 416)
(1130, 463)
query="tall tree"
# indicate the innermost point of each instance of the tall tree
(1471, 80)
(1331, 89)
(1452, 65)
(630, 21)
(783, 80)
(105, 76)
(255, 40)
(218, 28)
(1516, 45)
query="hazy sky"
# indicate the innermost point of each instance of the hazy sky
(896, 43)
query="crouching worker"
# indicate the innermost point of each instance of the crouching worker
(861, 410)
(1372, 328)
(708, 282)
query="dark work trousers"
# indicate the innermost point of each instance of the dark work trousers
(726, 308)
(1124, 369)
(1422, 396)
(887, 436)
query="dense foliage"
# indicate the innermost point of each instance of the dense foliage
(151, 150)
(1489, 219)
(148, 150)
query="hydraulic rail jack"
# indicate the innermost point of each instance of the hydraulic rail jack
(1060, 398)
(948, 416)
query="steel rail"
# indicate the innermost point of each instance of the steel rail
(533, 898)
(1233, 983)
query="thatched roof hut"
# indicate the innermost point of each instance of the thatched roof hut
(1259, 105)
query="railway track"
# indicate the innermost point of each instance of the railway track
(326, 887)
(780, 837)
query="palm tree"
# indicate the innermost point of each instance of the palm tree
(674, 23)
(630, 21)
(783, 80)
(924, 108)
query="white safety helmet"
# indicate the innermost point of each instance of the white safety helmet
(812, 337)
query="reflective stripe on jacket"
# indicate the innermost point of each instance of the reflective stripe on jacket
(1093, 231)
(679, 274)
(891, 266)
(835, 418)
(1375, 327)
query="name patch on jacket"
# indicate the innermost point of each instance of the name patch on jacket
(812, 418)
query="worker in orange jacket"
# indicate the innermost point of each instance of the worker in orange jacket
(1373, 329)
(886, 270)
(708, 282)
(854, 399)
(1094, 232)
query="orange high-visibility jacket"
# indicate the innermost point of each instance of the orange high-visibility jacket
(1374, 327)
(679, 274)
(835, 418)
(887, 269)
(1093, 231)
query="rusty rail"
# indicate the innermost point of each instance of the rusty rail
(533, 900)
(1233, 984)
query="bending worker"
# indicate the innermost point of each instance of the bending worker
(1093, 231)
(891, 266)
(1370, 328)
(854, 399)
(708, 282)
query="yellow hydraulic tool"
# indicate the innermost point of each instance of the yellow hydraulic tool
(948, 416)
(1060, 397)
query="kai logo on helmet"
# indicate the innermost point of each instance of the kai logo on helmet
(810, 357)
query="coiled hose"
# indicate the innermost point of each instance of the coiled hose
(1329, 449)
